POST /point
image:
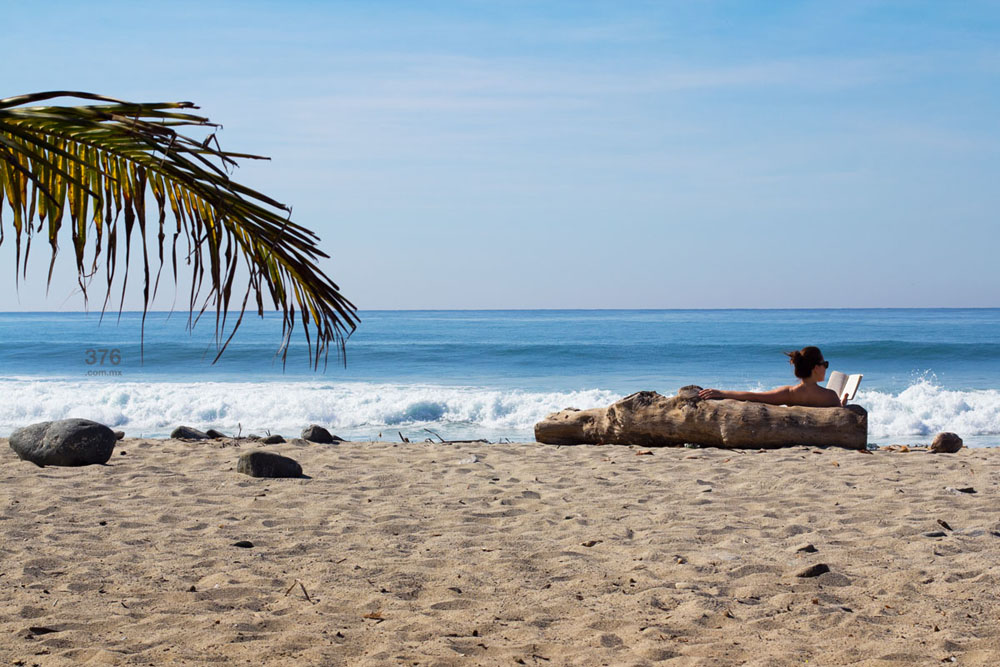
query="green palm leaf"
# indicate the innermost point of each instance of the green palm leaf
(98, 162)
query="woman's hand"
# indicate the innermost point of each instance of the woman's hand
(707, 394)
(843, 401)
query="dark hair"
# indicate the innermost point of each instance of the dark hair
(805, 360)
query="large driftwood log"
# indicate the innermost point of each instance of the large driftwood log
(649, 419)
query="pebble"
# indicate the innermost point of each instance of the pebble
(685, 586)
(946, 443)
(268, 464)
(316, 433)
(813, 570)
(805, 548)
(188, 433)
(243, 544)
(963, 489)
(935, 533)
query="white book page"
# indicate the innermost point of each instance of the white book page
(851, 387)
(836, 382)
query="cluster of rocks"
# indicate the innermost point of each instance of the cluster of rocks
(312, 433)
(80, 442)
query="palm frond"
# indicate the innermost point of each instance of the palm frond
(97, 162)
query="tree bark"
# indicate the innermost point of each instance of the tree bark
(649, 419)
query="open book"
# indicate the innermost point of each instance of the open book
(844, 384)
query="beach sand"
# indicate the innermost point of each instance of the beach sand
(534, 554)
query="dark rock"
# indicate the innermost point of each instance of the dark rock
(188, 433)
(935, 533)
(67, 442)
(963, 489)
(268, 464)
(243, 544)
(806, 548)
(315, 433)
(946, 443)
(212, 433)
(119, 435)
(273, 440)
(814, 570)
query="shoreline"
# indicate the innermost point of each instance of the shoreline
(446, 554)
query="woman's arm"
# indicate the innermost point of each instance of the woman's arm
(778, 396)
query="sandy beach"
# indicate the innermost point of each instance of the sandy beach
(425, 554)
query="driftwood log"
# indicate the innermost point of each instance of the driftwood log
(649, 419)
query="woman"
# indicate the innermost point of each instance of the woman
(810, 368)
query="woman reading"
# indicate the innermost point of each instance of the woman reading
(810, 368)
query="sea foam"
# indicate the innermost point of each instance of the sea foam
(363, 410)
(359, 410)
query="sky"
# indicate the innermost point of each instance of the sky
(509, 154)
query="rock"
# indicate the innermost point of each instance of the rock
(647, 418)
(188, 433)
(935, 533)
(243, 544)
(314, 433)
(946, 443)
(963, 489)
(119, 435)
(273, 440)
(268, 464)
(212, 433)
(67, 442)
(814, 570)
(805, 548)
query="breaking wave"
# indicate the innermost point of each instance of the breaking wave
(364, 410)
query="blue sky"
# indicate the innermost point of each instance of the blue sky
(578, 154)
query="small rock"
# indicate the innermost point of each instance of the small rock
(944, 524)
(946, 443)
(215, 435)
(813, 570)
(315, 433)
(67, 442)
(243, 544)
(273, 440)
(684, 586)
(119, 435)
(935, 533)
(961, 489)
(192, 589)
(188, 433)
(805, 548)
(268, 464)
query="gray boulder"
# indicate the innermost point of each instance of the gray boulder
(212, 433)
(946, 443)
(273, 440)
(314, 433)
(267, 464)
(67, 442)
(188, 433)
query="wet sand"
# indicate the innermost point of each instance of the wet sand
(392, 553)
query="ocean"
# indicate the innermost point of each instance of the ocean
(490, 374)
